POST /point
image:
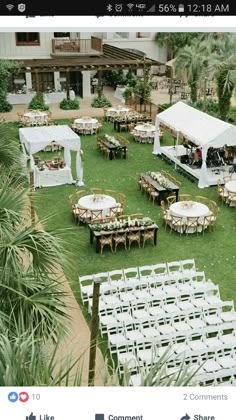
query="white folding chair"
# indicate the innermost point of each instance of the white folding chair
(86, 287)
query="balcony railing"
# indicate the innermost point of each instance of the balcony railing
(77, 46)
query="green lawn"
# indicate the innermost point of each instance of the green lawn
(214, 253)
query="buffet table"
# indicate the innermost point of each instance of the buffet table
(51, 178)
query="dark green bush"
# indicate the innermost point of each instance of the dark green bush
(5, 106)
(69, 104)
(100, 102)
(38, 102)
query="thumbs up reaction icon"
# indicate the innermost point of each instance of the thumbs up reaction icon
(31, 417)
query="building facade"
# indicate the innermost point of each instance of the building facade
(50, 47)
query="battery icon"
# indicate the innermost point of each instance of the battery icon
(181, 8)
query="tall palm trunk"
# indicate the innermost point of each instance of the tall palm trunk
(193, 93)
(224, 95)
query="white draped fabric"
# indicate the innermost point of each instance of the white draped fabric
(67, 156)
(203, 179)
(157, 147)
(79, 170)
(37, 138)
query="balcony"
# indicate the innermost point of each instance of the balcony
(76, 47)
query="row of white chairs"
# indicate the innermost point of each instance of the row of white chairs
(146, 353)
(122, 276)
(156, 297)
(133, 329)
(167, 284)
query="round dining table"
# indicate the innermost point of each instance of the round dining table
(230, 186)
(117, 111)
(97, 202)
(147, 128)
(35, 116)
(85, 120)
(189, 209)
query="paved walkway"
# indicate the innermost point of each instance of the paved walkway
(57, 113)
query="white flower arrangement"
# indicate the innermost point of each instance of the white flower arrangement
(97, 197)
(157, 176)
(186, 204)
(123, 224)
(112, 140)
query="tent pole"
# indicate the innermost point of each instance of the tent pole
(176, 149)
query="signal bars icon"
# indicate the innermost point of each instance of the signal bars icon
(10, 7)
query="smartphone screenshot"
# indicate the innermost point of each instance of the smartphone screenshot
(117, 210)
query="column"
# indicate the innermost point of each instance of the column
(57, 84)
(28, 79)
(86, 84)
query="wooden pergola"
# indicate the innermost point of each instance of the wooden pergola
(112, 58)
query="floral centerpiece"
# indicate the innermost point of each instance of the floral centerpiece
(112, 140)
(187, 204)
(97, 197)
(157, 176)
(123, 224)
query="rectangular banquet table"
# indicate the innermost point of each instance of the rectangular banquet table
(97, 234)
(137, 119)
(162, 190)
(50, 178)
(113, 148)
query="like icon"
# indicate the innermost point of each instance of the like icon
(23, 396)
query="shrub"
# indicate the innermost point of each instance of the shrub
(38, 102)
(5, 106)
(100, 102)
(69, 104)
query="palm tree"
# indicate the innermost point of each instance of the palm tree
(222, 68)
(190, 64)
(174, 41)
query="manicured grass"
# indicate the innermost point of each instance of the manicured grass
(215, 252)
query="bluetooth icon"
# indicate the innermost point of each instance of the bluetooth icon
(109, 7)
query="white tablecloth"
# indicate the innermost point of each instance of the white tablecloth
(231, 186)
(147, 128)
(117, 111)
(36, 116)
(83, 121)
(49, 178)
(105, 202)
(119, 94)
(196, 210)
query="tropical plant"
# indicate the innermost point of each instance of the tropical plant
(143, 87)
(7, 69)
(100, 102)
(174, 41)
(190, 63)
(113, 78)
(222, 68)
(25, 362)
(9, 146)
(37, 102)
(69, 104)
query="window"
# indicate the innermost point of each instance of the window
(61, 34)
(45, 80)
(27, 38)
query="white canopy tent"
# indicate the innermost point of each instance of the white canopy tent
(200, 128)
(35, 139)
